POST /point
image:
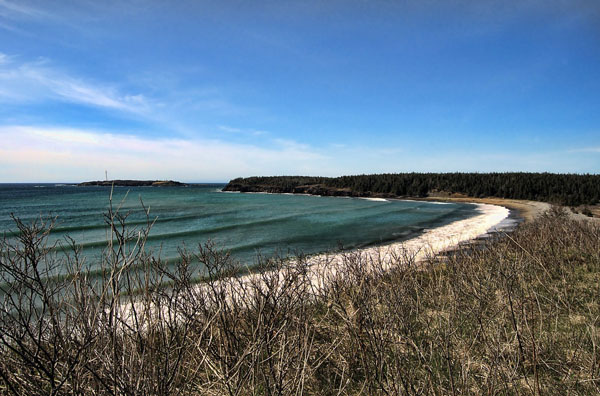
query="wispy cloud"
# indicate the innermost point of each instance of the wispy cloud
(34, 153)
(586, 150)
(39, 81)
(14, 9)
(42, 153)
(172, 105)
(241, 131)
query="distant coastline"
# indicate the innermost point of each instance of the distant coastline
(133, 183)
(530, 194)
(562, 189)
(521, 209)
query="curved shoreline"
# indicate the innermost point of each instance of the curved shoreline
(526, 210)
(322, 269)
(430, 243)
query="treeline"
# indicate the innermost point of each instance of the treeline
(563, 189)
(281, 184)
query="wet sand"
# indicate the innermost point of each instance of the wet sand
(430, 243)
(528, 210)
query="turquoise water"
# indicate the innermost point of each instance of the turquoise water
(244, 224)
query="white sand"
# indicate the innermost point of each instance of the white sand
(439, 239)
(428, 244)
(322, 268)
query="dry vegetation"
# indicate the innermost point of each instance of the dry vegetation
(521, 316)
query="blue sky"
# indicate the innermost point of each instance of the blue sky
(208, 91)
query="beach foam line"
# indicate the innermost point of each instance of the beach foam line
(375, 199)
(429, 244)
(432, 242)
(323, 268)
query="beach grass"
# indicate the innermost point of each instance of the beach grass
(519, 316)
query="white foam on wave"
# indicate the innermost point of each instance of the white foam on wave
(420, 200)
(307, 195)
(375, 199)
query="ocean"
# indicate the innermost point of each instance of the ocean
(243, 224)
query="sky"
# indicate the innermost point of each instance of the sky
(206, 91)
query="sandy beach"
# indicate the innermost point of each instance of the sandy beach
(430, 243)
(322, 268)
(528, 210)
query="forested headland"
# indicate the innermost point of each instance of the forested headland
(562, 189)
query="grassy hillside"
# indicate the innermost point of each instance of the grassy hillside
(520, 317)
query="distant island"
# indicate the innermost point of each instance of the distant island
(134, 183)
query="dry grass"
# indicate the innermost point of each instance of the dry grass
(521, 316)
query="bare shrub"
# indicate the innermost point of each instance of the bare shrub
(518, 316)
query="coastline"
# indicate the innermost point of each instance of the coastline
(497, 215)
(430, 243)
(527, 210)
(322, 269)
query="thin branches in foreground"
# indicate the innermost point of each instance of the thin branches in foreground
(519, 316)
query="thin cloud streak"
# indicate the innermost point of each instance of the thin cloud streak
(11, 9)
(586, 150)
(24, 83)
(38, 82)
(251, 132)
